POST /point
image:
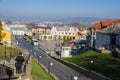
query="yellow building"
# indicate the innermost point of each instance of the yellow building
(6, 37)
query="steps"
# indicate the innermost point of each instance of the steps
(22, 76)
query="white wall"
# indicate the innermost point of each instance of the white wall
(102, 40)
(66, 51)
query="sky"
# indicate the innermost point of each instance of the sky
(56, 9)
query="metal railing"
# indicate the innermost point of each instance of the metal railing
(6, 72)
(26, 62)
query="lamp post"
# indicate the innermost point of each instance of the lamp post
(16, 51)
(74, 77)
(11, 51)
(31, 51)
(39, 57)
(34, 54)
(38, 35)
(49, 64)
(5, 51)
(92, 62)
(71, 56)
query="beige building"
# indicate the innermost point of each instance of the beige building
(41, 32)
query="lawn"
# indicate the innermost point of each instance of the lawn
(38, 73)
(8, 49)
(103, 63)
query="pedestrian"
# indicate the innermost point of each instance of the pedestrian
(19, 62)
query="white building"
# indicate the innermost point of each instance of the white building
(18, 29)
(66, 51)
(60, 32)
(102, 40)
(108, 38)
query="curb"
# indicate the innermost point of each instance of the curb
(47, 70)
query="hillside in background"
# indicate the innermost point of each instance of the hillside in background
(88, 21)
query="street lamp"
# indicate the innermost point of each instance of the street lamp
(92, 62)
(11, 51)
(49, 64)
(75, 78)
(71, 56)
(34, 54)
(39, 57)
(5, 50)
(31, 51)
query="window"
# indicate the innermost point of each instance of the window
(66, 48)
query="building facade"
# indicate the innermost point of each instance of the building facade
(65, 32)
(108, 38)
(66, 51)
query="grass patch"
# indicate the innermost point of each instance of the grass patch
(8, 49)
(104, 63)
(38, 73)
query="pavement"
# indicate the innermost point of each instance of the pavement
(59, 70)
(22, 76)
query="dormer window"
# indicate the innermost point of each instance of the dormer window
(71, 29)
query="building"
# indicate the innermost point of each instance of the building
(42, 33)
(105, 24)
(18, 29)
(81, 35)
(108, 38)
(66, 51)
(65, 32)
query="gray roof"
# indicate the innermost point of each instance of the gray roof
(18, 28)
(111, 30)
(116, 29)
(65, 28)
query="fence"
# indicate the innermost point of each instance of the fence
(93, 75)
(26, 63)
(6, 72)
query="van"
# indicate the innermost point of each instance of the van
(35, 42)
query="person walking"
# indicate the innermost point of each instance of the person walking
(19, 62)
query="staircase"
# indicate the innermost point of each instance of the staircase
(8, 71)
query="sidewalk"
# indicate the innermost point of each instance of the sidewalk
(22, 76)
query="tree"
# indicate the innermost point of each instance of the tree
(1, 34)
(0, 31)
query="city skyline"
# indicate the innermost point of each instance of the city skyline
(56, 9)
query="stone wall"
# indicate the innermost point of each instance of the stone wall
(93, 75)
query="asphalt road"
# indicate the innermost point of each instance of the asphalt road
(61, 71)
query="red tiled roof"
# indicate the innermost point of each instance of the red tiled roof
(106, 23)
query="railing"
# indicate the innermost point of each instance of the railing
(26, 62)
(6, 72)
(93, 75)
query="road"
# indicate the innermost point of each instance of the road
(61, 71)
